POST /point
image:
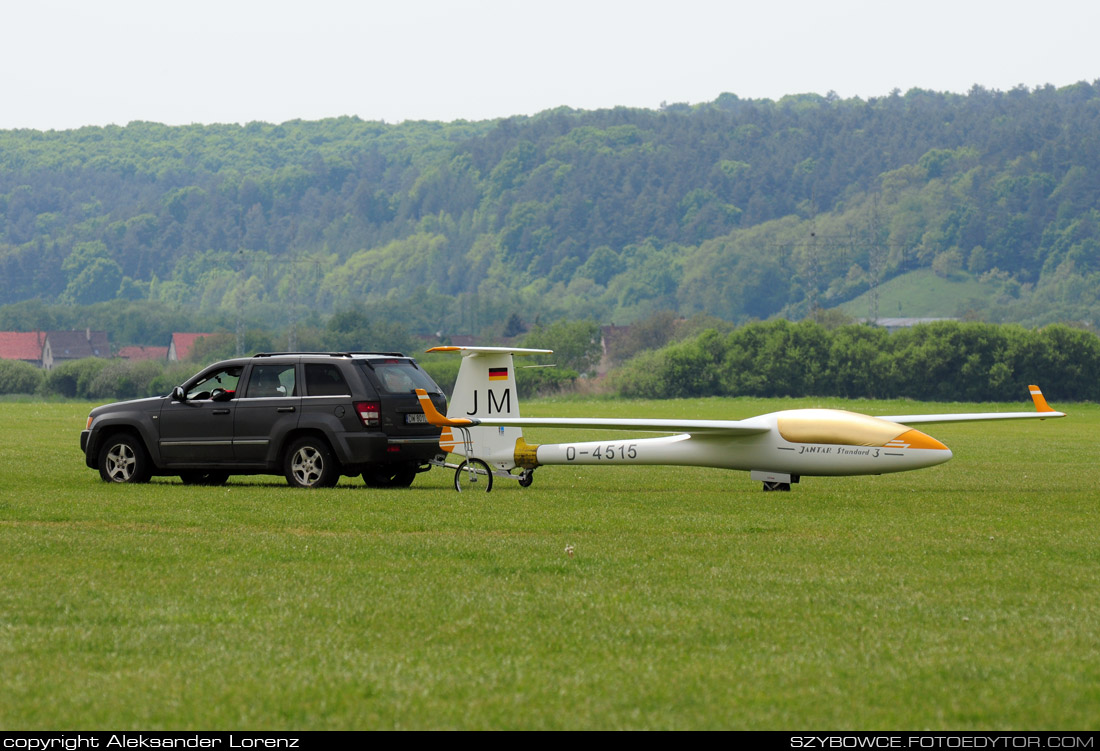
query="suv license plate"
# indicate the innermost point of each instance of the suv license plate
(416, 418)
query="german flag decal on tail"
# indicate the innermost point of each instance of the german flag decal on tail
(498, 374)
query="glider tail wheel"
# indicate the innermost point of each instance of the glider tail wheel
(473, 474)
(526, 477)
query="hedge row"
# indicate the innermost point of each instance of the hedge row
(943, 361)
(94, 378)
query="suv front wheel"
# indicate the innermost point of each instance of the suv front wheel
(309, 463)
(123, 459)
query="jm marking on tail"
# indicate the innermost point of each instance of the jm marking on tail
(503, 406)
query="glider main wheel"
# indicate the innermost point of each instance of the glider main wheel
(472, 474)
(782, 486)
(526, 477)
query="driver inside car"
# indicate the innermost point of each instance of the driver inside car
(220, 386)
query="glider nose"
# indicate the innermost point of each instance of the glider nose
(918, 440)
(915, 439)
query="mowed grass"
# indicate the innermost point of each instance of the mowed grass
(963, 596)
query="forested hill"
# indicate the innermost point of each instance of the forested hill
(737, 208)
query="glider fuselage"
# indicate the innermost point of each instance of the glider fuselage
(797, 442)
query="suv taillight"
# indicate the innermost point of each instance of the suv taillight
(369, 413)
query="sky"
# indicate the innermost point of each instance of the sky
(71, 63)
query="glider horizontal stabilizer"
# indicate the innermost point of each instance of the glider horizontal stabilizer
(492, 350)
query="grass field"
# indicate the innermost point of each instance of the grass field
(959, 597)
(921, 293)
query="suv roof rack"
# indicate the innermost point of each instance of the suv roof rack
(330, 354)
(385, 354)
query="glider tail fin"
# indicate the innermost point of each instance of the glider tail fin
(485, 387)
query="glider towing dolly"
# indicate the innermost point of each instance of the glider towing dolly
(475, 474)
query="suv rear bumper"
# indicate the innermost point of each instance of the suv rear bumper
(359, 450)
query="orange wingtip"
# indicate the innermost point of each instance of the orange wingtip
(448, 348)
(437, 419)
(1040, 401)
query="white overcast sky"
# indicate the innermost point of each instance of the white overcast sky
(69, 63)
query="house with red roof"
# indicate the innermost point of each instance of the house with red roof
(180, 347)
(62, 346)
(22, 345)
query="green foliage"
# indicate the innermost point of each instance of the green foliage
(737, 208)
(532, 382)
(18, 377)
(779, 358)
(643, 377)
(207, 349)
(74, 378)
(514, 326)
(691, 366)
(938, 361)
(354, 330)
(653, 332)
(93, 275)
(948, 263)
(859, 361)
(170, 376)
(102, 380)
(400, 266)
(576, 344)
(126, 321)
(125, 379)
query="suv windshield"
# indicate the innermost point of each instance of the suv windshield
(401, 377)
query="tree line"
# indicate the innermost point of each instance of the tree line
(941, 361)
(576, 346)
(736, 208)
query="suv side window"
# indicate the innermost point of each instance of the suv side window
(325, 380)
(271, 380)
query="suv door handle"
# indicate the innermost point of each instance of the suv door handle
(285, 409)
(221, 412)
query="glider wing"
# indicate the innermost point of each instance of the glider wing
(1042, 412)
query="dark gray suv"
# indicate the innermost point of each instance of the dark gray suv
(309, 416)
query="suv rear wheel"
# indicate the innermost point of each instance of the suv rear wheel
(309, 463)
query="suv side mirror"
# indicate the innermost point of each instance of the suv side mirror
(178, 394)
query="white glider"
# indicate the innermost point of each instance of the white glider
(777, 448)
